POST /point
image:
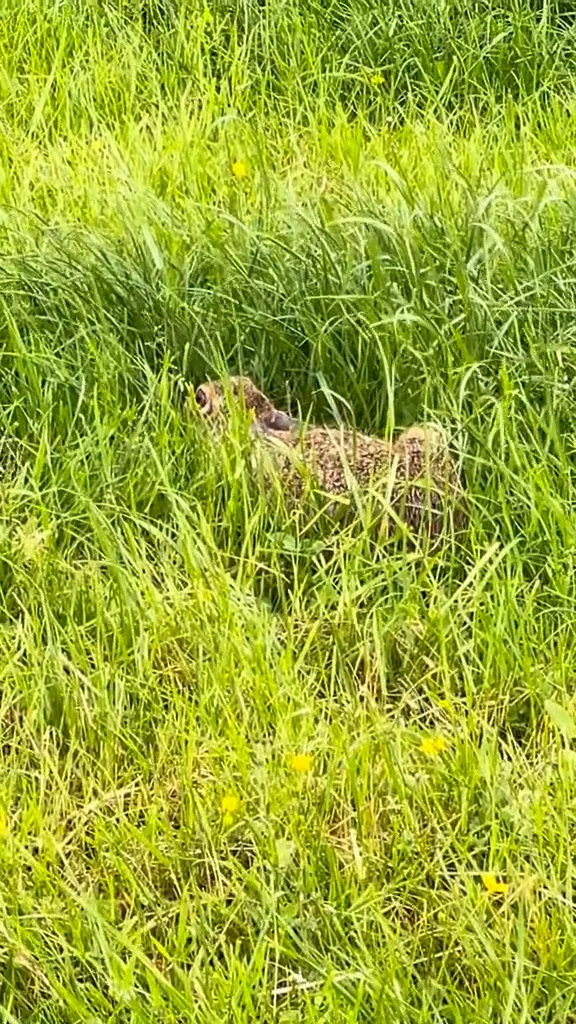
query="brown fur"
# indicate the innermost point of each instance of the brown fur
(415, 474)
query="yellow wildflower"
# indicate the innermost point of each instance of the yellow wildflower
(433, 745)
(240, 169)
(230, 804)
(376, 79)
(301, 763)
(494, 887)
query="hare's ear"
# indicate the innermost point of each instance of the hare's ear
(278, 420)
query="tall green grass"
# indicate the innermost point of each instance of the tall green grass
(401, 247)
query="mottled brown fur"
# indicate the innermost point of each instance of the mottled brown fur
(415, 474)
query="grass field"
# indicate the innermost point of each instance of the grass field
(251, 772)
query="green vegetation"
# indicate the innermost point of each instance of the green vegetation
(370, 208)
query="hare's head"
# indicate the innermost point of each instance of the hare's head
(213, 396)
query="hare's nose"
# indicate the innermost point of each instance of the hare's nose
(202, 400)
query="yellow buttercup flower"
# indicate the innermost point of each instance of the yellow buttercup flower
(494, 887)
(240, 169)
(376, 79)
(301, 763)
(230, 804)
(433, 745)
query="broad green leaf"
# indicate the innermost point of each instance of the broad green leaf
(561, 718)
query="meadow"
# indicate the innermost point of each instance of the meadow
(249, 771)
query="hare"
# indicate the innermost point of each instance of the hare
(211, 400)
(415, 474)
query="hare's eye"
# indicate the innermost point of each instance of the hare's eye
(204, 401)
